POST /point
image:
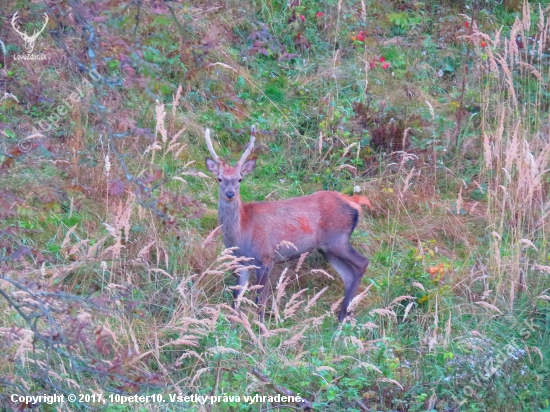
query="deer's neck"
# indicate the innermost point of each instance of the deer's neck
(229, 217)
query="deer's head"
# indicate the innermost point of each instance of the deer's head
(230, 177)
(29, 40)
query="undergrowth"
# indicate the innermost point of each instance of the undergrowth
(114, 279)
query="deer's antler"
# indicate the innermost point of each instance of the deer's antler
(250, 146)
(210, 147)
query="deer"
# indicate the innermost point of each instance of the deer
(322, 221)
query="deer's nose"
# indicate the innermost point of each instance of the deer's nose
(230, 194)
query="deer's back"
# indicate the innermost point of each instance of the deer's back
(285, 229)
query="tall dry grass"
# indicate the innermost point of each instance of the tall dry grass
(516, 152)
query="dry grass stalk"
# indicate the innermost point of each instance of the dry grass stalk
(447, 338)
(399, 299)
(211, 236)
(530, 349)
(226, 262)
(370, 326)
(459, 201)
(384, 312)
(173, 145)
(198, 374)
(160, 115)
(336, 305)
(242, 320)
(237, 302)
(542, 268)
(323, 272)
(355, 301)
(513, 150)
(544, 29)
(143, 254)
(301, 261)
(220, 350)
(353, 341)
(296, 338)
(404, 143)
(513, 50)
(487, 152)
(418, 285)
(314, 322)
(175, 103)
(161, 271)
(369, 366)
(528, 243)
(121, 223)
(293, 304)
(406, 184)
(185, 340)
(407, 310)
(187, 354)
(77, 249)
(67, 238)
(390, 381)
(281, 286)
(287, 244)
(24, 340)
(314, 299)
(526, 17)
(431, 109)
(489, 306)
(326, 368)
(348, 148)
(349, 168)
(268, 333)
(533, 71)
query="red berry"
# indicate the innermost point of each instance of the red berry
(302, 17)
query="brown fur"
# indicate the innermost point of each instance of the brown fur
(306, 221)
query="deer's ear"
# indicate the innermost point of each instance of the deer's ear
(248, 167)
(212, 166)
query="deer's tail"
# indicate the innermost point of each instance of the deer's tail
(361, 201)
(357, 201)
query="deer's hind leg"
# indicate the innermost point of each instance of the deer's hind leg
(351, 267)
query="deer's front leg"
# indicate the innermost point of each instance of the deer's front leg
(242, 278)
(262, 275)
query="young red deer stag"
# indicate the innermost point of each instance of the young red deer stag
(323, 220)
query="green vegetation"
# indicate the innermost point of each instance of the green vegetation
(113, 277)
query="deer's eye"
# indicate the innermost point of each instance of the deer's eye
(240, 180)
(219, 180)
